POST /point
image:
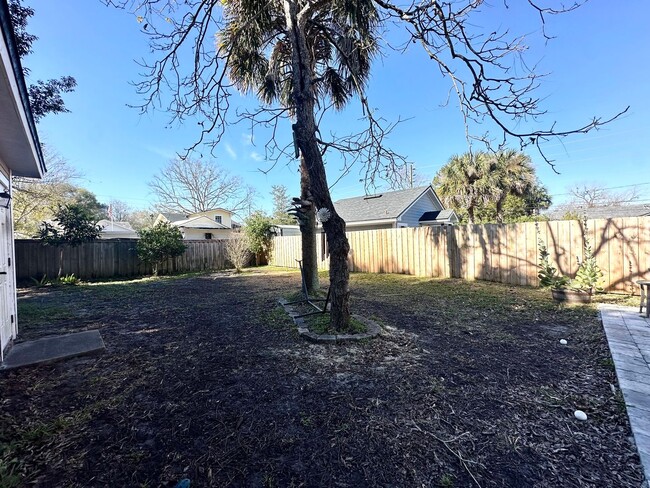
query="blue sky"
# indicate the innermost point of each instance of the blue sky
(598, 64)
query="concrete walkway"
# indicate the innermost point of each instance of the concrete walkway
(628, 334)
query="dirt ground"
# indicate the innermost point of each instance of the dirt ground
(205, 378)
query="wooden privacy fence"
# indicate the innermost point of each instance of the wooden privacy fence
(111, 258)
(507, 253)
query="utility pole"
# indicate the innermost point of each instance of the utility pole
(411, 175)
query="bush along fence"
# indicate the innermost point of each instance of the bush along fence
(506, 253)
(111, 258)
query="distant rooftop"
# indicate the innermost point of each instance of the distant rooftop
(174, 217)
(600, 212)
(385, 205)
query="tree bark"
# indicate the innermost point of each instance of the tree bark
(308, 233)
(58, 276)
(499, 210)
(470, 214)
(305, 131)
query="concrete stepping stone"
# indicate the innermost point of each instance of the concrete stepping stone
(53, 348)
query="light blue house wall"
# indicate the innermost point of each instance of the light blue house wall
(426, 203)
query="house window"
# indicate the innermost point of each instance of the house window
(208, 235)
(217, 219)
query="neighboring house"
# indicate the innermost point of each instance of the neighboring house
(211, 224)
(600, 212)
(286, 230)
(116, 230)
(20, 155)
(402, 208)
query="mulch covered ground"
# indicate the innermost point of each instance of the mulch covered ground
(205, 378)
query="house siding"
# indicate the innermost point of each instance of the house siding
(8, 327)
(354, 228)
(225, 216)
(426, 203)
(190, 234)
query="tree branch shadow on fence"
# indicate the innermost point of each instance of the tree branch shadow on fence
(506, 253)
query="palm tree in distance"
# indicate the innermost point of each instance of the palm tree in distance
(467, 181)
(299, 58)
(514, 176)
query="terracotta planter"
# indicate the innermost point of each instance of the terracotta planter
(571, 296)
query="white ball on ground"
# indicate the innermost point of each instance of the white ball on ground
(563, 342)
(580, 415)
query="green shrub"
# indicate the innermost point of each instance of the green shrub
(44, 281)
(259, 233)
(548, 274)
(74, 226)
(70, 279)
(589, 276)
(159, 243)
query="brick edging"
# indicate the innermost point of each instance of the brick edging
(373, 329)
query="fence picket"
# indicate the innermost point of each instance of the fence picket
(110, 258)
(507, 253)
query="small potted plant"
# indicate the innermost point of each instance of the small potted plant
(549, 276)
(583, 286)
(589, 275)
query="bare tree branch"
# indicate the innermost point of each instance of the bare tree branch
(193, 185)
(480, 67)
(594, 195)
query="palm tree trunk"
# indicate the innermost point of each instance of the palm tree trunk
(470, 214)
(308, 233)
(305, 131)
(499, 209)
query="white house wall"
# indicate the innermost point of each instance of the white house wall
(199, 234)
(8, 322)
(225, 216)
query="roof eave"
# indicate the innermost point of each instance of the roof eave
(371, 222)
(28, 161)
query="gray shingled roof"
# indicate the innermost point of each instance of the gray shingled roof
(603, 212)
(386, 205)
(174, 217)
(439, 215)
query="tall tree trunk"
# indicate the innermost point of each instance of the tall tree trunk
(305, 132)
(499, 209)
(58, 276)
(308, 232)
(470, 214)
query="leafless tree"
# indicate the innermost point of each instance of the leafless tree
(237, 251)
(304, 57)
(596, 195)
(406, 177)
(119, 211)
(35, 200)
(142, 219)
(194, 185)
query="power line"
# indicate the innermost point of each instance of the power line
(605, 188)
